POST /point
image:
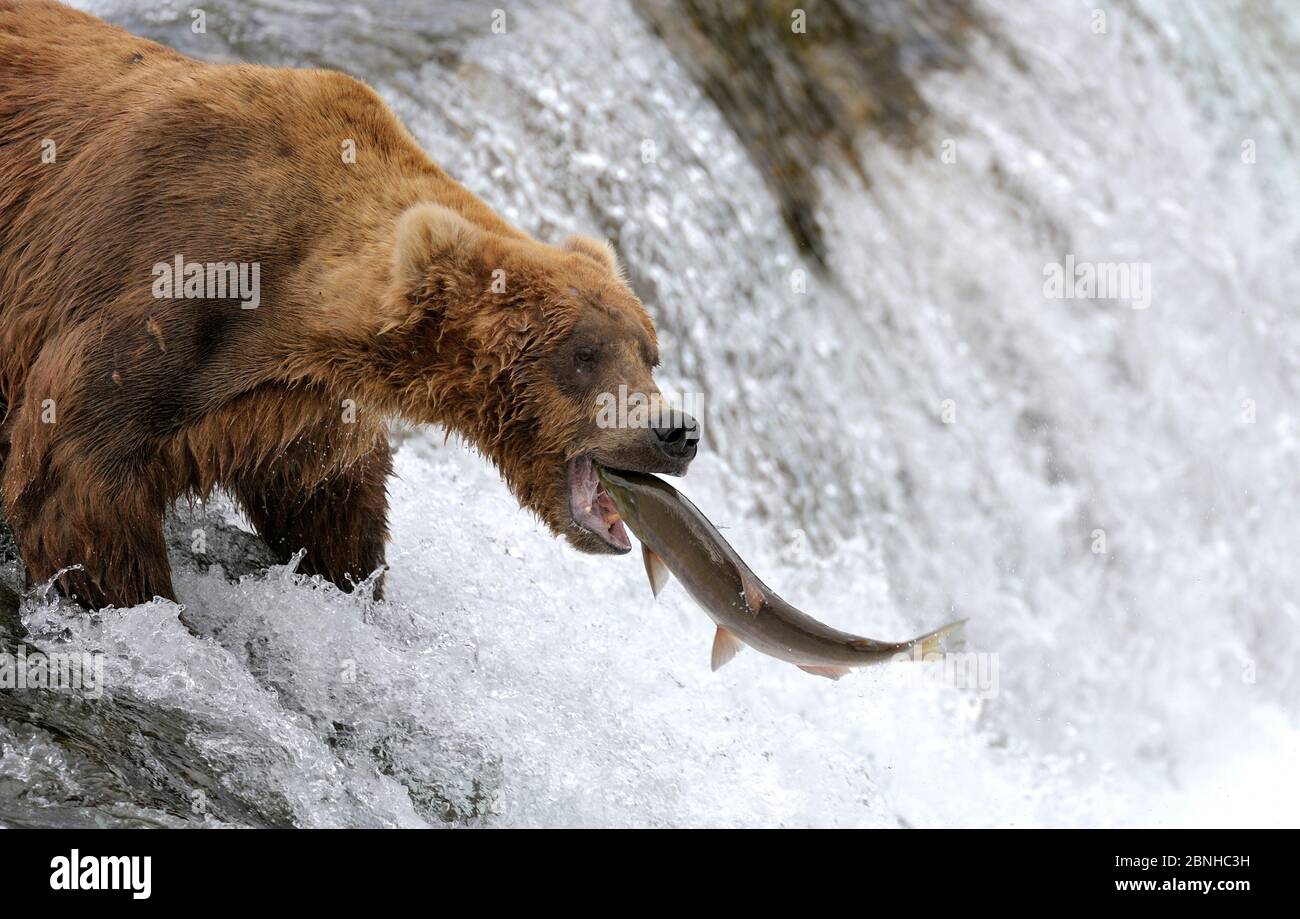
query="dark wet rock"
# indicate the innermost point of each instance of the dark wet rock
(449, 779)
(800, 101)
(119, 748)
(11, 626)
(8, 548)
(202, 539)
(11, 581)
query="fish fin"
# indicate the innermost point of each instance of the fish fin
(933, 642)
(725, 646)
(655, 569)
(830, 672)
(753, 592)
(924, 646)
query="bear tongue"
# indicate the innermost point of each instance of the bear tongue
(618, 533)
(592, 506)
(611, 518)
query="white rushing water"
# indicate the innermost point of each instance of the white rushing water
(510, 681)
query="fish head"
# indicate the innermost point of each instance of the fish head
(618, 489)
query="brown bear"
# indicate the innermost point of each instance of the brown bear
(233, 277)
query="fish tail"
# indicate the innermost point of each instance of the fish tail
(934, 643)
(943, 639)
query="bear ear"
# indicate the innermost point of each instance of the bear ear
(431, 238)
(597, 250)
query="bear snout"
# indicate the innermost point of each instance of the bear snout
(679, 440)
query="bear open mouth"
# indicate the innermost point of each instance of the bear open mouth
(592, 508)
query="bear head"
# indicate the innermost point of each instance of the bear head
(540, 356)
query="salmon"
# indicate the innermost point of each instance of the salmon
(677, 539)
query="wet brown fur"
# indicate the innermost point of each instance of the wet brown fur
(376, 300)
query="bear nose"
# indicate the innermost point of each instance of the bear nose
(680, 439)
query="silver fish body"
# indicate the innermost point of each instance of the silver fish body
(676, 537)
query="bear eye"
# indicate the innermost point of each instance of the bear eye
(585, 357)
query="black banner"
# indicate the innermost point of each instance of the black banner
(1169, 869)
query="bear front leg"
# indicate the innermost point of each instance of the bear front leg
(111, 539)
(71, 507)
(341, 522)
